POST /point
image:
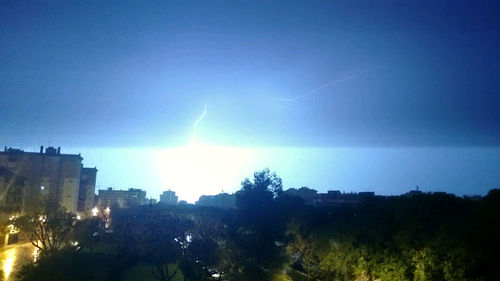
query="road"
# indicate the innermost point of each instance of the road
(12, 258)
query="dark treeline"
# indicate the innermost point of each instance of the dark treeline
(275, 236)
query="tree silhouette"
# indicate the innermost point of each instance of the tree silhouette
(153, 235)
(256, 197)
(257, 232)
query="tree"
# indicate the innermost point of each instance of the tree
(303, 247)
(208, 237)
(71, 266)
(255, 199)
(264, 181)
(257, 231)
(155, 236)
(50, 231)
(88, 232)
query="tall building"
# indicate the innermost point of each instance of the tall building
(52, 175)
(86, 192)
(11, 192)
(121, 198)
(168, 197)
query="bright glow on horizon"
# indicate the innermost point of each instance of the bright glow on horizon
(204, 169)
(198, 168)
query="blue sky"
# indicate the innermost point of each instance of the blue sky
(410, 88)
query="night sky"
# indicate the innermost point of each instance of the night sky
(195, 96)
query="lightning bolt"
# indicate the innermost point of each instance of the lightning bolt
(331, 83)
(197, 122)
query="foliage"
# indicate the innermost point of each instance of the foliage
(88, 232)
(423, 237)
(71, 266)
(257, 196)
(257, 228)
(154, 236)
(273, 235)
(50, 231)
(303, 250)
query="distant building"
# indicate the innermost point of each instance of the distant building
(168, 197)
(443, 193)
(472, 197)
(222, 200)
(414, 192)
(366, 194)
(49, 174)
(121, 198)
(335, 198)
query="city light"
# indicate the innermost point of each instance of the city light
(9, 262)
(36, 253)
(95, 211)
(12, 229)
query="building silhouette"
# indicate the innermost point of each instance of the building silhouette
(121, 198)
(86, 193)
(168, 197)
(335, 198)
(60, 178)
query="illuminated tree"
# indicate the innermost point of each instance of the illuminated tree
(50, 231)
(203, 257)
(305, 251)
